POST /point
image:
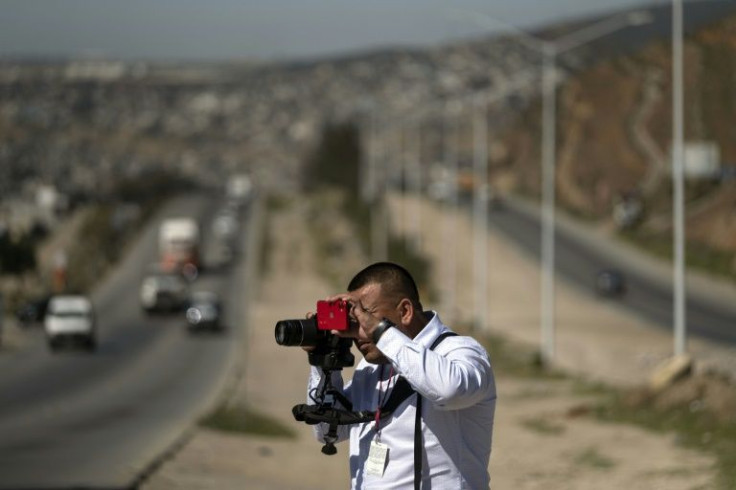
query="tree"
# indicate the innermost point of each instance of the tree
(17, 256)
(336, 160)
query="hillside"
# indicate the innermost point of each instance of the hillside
(614, 133)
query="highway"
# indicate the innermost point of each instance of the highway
(98, 420)
(80, 420)
(578, 260)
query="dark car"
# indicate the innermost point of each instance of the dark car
(204, 312)
(610, 283)
(33, 312)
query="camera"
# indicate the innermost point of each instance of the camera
(330, 352)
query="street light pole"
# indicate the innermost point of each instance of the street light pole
(414, 146)
(379, 222)
(405, 155)
(678, 178)
(550, 51)
(480, 212)
(549, 150)
(450, 156)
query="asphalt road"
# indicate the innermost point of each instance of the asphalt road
(80, 420)
(578, 260)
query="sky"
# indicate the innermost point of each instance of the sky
(268, 30)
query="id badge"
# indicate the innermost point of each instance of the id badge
(377, 458)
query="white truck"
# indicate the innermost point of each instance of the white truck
(179, 246)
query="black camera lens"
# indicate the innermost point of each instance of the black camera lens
(289, 333)
(296, 332)
(330, 351)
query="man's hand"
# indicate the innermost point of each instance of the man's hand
(366, 320)
(362, 321)
(353, 328)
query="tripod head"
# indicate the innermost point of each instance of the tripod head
(325, 411)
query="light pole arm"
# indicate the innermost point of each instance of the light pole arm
(488, 22)
(600, 29)
(565, 43)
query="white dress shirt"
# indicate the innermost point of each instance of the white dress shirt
(457, 384)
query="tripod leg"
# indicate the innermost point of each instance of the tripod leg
(330, 439)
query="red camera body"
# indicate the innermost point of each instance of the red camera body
(333, 315)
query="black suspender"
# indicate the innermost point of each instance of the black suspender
(399, 394)
(403, 390)
(440, 338)
(418, 444)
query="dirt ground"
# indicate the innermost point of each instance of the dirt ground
(538, 443)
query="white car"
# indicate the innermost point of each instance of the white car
(164, 293)
(70, 318)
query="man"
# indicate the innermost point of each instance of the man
(454, 386)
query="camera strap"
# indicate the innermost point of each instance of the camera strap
(418, 444)
(402, 389)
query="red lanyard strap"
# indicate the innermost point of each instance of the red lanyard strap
(382, 399)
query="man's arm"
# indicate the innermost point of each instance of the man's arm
(459, 377)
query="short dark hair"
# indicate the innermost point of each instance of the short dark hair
(394, 279)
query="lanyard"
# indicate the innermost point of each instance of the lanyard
(382, 399)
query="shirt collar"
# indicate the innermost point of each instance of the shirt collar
(433, 329)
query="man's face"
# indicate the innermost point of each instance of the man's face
(370, 299)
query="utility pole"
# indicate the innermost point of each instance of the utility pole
(678, 178)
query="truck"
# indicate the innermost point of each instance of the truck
(179, 246)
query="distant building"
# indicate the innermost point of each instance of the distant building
(101, 70)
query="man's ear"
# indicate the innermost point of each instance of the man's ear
(406, 310)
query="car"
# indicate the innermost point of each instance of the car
(610, 283)
(204, 312)
(70, 319)
(164, 292)
(33, 311)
